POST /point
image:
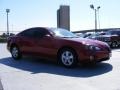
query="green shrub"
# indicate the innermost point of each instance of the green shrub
(3, 40)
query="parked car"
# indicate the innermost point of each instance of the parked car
(111, 37)
(93, 36)
(80, 34)
(57, 44)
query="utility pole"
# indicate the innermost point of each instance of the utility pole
(95, 9)
(7, 11)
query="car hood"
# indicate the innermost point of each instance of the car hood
(89, 41)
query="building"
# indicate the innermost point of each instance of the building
(63, 17)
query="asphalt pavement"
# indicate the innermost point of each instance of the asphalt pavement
(1, 87)
(32, 74)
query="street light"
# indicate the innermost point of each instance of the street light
(95, 9)
(7, 11)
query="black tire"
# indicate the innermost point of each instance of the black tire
(67, 57)
(15, 52)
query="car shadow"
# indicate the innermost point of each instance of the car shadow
(40, 66)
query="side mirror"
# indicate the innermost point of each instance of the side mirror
(47, 35)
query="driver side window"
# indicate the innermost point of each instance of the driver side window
(39, 33)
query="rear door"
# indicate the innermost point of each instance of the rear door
(45, 45)
(27, 42)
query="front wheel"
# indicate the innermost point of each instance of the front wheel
(15, 52)
(67, 58)
(114, 44)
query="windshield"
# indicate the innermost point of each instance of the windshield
(63, 33)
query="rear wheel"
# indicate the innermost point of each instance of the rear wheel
(15, 52)
(67, 57)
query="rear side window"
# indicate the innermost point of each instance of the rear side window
(27, 33)
(34, 32)
(113, 32)
(116, 33)
(40, 33)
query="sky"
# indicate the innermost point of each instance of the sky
(43, 13)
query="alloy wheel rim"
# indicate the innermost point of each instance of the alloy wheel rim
(15, 52)
(67, 58)
(114, 44)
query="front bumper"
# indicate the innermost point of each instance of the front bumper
(98, 56)
(101, 56)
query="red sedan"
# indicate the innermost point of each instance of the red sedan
(57, 44)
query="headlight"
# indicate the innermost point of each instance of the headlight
(93, 48)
